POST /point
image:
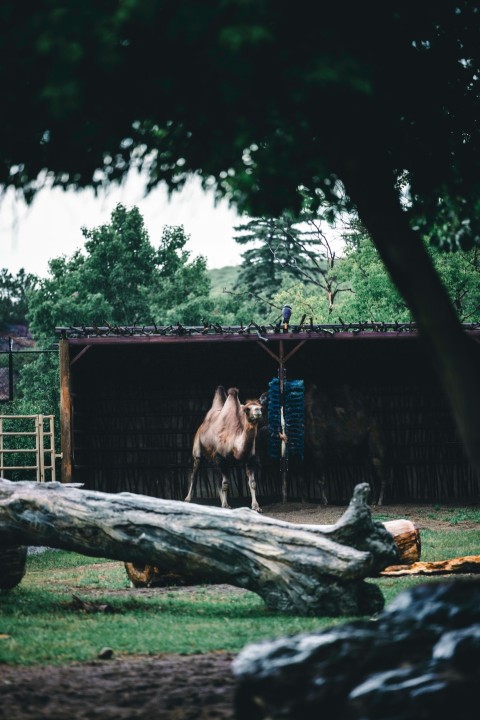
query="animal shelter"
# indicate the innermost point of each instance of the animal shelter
(132, 399)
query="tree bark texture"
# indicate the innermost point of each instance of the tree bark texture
(468, 564)
(404, 533)
(299, 569)
(12, 566)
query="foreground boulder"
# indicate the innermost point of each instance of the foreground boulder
(419, 659)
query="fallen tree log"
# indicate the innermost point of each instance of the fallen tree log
(467, 564)
(404, 533)
(295, 569)
(12, 566)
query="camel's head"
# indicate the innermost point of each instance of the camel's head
(254, 411)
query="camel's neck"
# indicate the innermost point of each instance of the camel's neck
(245, 443)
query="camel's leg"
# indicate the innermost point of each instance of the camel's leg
(251, 467)
(225, 483)
(383, 477)
(319, 465)
(323, 494)
(193, 479)
(377, 469)
(377, 458)
(223, 492)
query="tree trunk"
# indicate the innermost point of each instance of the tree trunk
(12, 566)
(465, 565)
(404, 533)
(453, 354)
(294, 568)
(406, 537)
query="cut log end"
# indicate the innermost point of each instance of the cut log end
(406, 537)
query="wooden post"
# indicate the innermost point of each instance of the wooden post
(10, 369)
(282, 361)
(53, 456)
(2, 472)
(283, 451)
(65, 412)
(37, 447)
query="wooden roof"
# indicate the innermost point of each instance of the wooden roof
(113, 334)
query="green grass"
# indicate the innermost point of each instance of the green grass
(436, 545)
(455, 516)
(451, 544)
(452, 515)
(42, 623)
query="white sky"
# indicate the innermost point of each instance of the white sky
(51, 226)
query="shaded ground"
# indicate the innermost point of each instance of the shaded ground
(194, 687)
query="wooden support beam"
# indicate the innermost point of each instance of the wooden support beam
(65, 411)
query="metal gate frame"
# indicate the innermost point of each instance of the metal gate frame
(42, 454)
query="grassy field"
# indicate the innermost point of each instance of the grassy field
(68, 607)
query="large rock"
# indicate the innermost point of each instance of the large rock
(420, 658)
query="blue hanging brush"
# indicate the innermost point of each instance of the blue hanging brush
(293, 396)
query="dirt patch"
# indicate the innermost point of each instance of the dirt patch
(423, 516)
(193, 687)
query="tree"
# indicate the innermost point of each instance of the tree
(382, 98)
(365, 292)
(460, 271)
(14, 290)
(265, 266)
(120, 279)
(289, 249)
(120, 266)
(374, 297)
(106, 283)
(181, 284)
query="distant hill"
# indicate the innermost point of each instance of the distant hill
(223, 277)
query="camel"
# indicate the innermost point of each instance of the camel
(338, 424)
(227, 436)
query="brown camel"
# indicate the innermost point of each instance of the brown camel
(227, 436)
(338, 424)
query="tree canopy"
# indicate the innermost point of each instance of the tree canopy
(380, 99)
(120, 279)
(259, 97)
